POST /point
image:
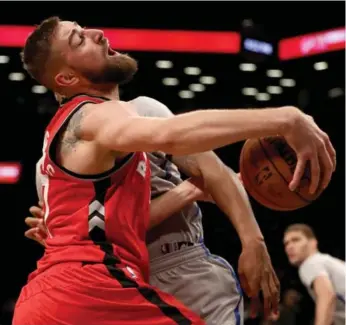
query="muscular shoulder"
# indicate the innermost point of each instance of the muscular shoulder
(150, 107)
(311, 268)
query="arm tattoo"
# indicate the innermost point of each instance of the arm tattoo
(70, 135)
(74, 125)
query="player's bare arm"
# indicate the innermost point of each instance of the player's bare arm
(325, 300)
(255, 268)
(226, 189)
(115, 126)
(173, 201)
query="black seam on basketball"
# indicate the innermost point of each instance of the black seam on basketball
(279, 173)
(260, 198)
(110, 261)
(258, 193)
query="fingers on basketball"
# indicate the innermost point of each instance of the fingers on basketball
(276, 177)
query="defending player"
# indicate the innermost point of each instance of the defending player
(323, 275)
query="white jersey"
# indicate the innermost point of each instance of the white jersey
(325, 265)
(186, 225)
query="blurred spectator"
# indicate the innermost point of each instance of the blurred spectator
(7, 312)
(288, 310)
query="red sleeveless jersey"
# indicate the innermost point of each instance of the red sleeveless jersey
(94, 218)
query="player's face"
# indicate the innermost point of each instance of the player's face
(86, 54)
(297, 247)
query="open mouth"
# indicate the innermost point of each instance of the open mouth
(111, 52)
(105, 43)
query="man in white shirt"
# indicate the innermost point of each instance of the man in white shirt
(322, 274)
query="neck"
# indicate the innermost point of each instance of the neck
(313, 252)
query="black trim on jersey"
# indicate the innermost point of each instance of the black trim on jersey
(53, 152)
(98, 236)
(66, 100)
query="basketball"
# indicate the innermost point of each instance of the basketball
(267, 166)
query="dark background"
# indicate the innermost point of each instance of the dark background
(24, 115)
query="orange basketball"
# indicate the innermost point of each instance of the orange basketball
(267, 166)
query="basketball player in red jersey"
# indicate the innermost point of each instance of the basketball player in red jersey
(96, 180)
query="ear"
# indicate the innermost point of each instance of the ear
(66, 79)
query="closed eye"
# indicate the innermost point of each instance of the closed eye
(82, 37)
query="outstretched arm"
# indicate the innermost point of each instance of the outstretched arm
(115, 126)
